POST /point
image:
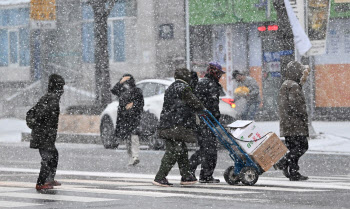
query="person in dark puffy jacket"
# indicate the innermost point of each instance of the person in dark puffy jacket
(208, 92)
(129, 115)
(176, 126)
(44, 134)
(293, 120)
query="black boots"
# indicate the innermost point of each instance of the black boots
(298, 177)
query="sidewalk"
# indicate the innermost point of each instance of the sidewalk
(332, 136)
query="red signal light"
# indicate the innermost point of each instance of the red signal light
(229, 101)
(272, 27)
(262, 28)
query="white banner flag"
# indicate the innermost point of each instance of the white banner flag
(301, 41)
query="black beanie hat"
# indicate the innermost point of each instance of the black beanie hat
(56, 82)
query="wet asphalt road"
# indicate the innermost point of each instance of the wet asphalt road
(94, 177)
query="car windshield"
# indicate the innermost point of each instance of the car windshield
(152, 89)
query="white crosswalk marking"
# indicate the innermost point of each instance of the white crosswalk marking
(11, 204)
(11, 189)
(53, 197)
(117, 186)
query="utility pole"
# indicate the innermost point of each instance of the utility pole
(285, 37)
(286, 42)
(101, 10)
(187, 22)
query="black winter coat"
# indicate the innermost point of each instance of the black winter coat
(292, 105)
(208, 92)
(179, 107)
(128, 120)
(47, 112)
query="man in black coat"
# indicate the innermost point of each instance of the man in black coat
(129, 114)
(44, 133)
(177, 126)
(208, 92)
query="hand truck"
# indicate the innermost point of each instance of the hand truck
(244, 170)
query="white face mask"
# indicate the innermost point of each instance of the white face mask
(126, 86)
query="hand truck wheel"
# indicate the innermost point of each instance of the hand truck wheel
(230, 176)
(249, 176)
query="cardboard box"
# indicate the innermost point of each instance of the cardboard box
(269, 152)
(248, 133)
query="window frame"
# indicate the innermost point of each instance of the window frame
(9, 54)
(15, 28)
(110, 34)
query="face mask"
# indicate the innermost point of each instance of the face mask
(126, 86)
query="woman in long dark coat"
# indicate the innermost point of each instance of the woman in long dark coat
(129, 114)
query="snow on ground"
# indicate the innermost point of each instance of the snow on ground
(331, 136)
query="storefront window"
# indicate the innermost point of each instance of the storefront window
(14, 41)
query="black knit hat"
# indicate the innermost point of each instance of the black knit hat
(56, 82)
(235, 73)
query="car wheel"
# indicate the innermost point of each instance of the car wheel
(107, 133)
(155, 143)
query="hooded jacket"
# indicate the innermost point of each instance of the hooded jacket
(208, 92)
(292, 105)
(47, 112)
(128, 120)
(180, 104)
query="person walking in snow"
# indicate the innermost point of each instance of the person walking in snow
(208, 92)
(177, 126)
(249, 90)
(129, 114)
(293, 120)
(44, 123)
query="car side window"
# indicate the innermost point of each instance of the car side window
(161, 89)
(149, 89)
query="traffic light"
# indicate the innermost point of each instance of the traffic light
(267, 29)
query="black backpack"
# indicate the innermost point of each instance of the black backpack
(31, 120)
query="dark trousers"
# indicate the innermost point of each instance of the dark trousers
(175, 152)
(297, 146)
(207, 154)
(249, 111)
(49, 162)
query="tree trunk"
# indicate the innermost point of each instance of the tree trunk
(102, 77)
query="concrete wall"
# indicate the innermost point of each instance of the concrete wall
(170, 53)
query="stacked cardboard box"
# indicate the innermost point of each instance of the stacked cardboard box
(269, 152)
(264, 148)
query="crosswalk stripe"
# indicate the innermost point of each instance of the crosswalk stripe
(112, 183)
(29, 185)
(199, 186)
(54, 197)
(263, 188)
(138, 192)
(156, 194)
(133, 176)
(304, 184)
(196, 190)
(12, 204)
(11, 189)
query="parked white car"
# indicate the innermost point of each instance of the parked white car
(153, 92)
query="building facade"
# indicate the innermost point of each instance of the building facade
(145, 38)
(235, 42)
